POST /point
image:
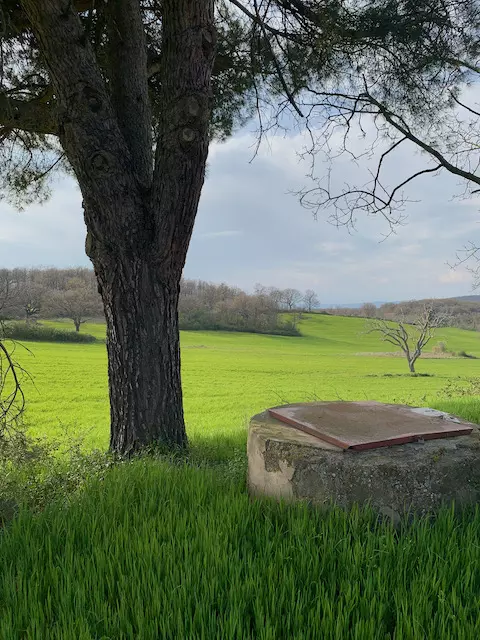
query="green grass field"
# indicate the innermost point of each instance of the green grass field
(154, 549)
(228, 377)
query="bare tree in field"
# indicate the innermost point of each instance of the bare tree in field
(7, 292)
(310, 300)
(31, 297)
(78, 302)
(291, 298)
(411, 337)
(368, 310)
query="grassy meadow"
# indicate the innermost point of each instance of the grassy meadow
(228, 377)
(176, 549)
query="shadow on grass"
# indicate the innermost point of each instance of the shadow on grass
(400, 375)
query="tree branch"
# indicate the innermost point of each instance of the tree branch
(263, 23)
(407, 133)
(12, 403)
(456, 62)
(129, 82)
(188, 54)
(278, 69)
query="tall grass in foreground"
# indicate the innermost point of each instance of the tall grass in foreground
(161, 551)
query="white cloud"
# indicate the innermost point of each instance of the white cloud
(455, 276)
(411, 249)
(334, 247)
(221, 234)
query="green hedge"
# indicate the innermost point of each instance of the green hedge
(37, 333)
(201, 320)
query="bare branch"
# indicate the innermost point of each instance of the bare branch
(456, 62)
(278, 69)
(12, 397)
(465, 106)
(400, 126)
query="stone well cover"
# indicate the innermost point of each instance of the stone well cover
(368, 425)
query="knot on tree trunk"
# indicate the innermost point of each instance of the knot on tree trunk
(101, 161)
(188, 135)
(192, 106)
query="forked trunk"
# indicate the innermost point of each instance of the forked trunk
(143, 353)
(139, 210)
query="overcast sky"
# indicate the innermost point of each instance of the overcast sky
(251, 229)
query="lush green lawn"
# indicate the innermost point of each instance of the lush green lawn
(151, 549)
(228, 377)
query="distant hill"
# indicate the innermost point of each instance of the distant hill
(468, 298)
(379, 303)
(463, 312)
(352, 305)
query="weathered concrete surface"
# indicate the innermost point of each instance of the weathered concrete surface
(286, 463)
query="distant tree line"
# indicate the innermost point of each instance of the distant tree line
(463, 314)
(33, 294)
(204, 305)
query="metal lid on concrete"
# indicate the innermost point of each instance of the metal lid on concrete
(369, 425)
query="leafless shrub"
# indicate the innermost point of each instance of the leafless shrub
(12, 397)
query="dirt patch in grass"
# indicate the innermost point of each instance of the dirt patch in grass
(399, 354)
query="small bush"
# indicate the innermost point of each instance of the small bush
(440, 347)
(468, 387)
(34, 472)
(37, 333)
(463, 354)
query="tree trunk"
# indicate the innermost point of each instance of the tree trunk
(143, 352)
(139, 224)
(77, 325)
(411, 366)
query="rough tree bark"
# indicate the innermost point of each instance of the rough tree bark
(139, 210)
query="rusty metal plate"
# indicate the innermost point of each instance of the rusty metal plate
(368, 425)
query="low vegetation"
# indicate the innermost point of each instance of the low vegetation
(39, 333)
(36, 472)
